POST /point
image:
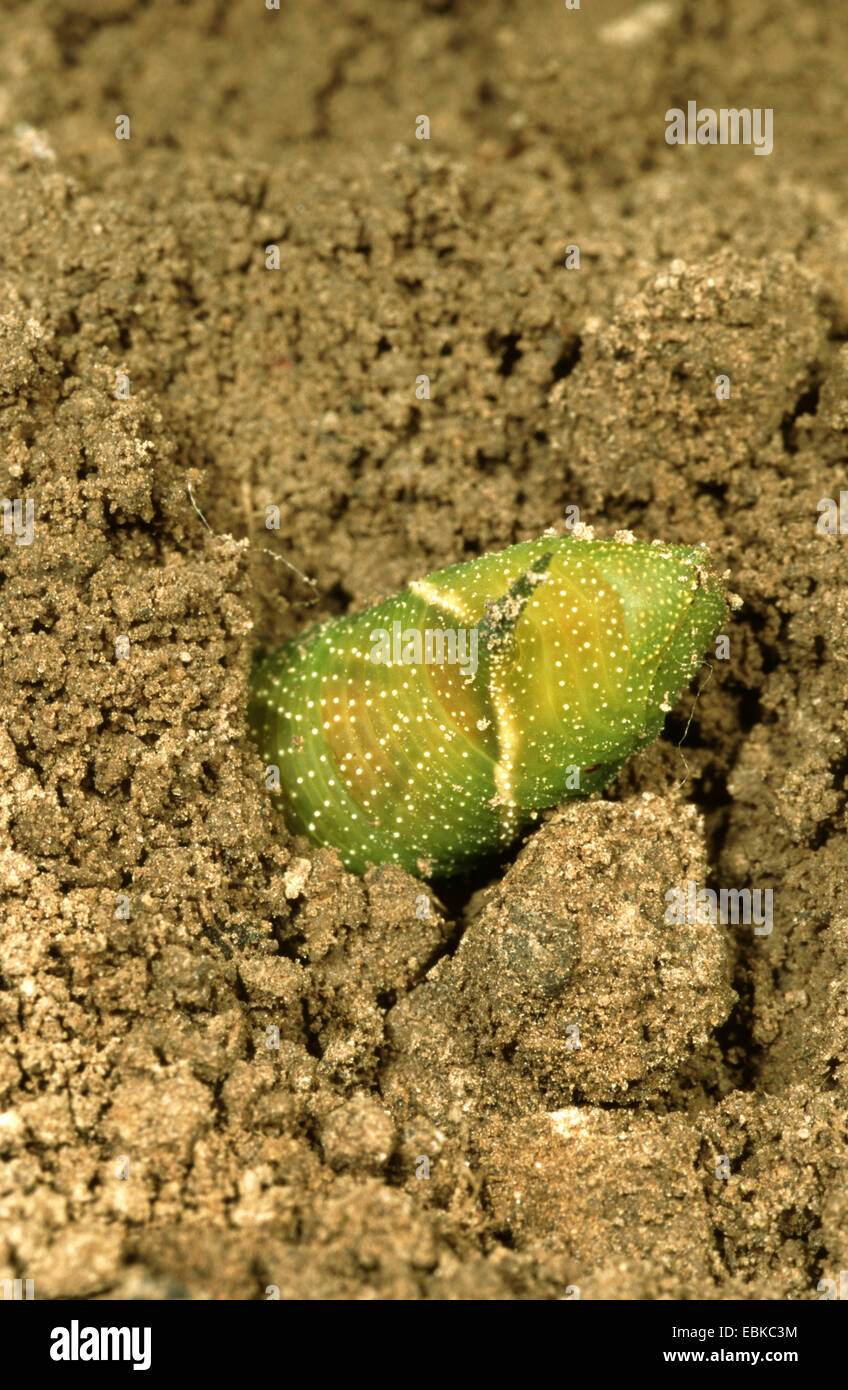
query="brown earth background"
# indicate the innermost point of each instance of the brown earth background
(420, 1125)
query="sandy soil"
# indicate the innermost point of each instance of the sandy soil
(226, 1065)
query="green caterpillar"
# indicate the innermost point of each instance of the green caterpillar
(432, 728)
